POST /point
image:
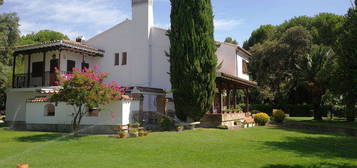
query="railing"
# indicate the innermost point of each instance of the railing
(28, 80)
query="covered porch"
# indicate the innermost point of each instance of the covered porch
(41, 60)
(226, 109)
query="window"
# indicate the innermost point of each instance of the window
(37, 69)
(49, 110)
(93, 112)
(124, 58)
(70, 65)
(116, 61)
(245, 67)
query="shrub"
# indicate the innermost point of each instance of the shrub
(255, 111)
(222, 127)
(298, 110)
(278, 115)
(166, 124)
(261, 118)
(267, 108)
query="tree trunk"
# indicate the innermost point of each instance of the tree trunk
(76, 120)
(350, 110)
(317, 108)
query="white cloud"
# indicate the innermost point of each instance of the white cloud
(222, 24)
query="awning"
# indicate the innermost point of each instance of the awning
(224, 80)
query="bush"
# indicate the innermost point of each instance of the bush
(298, 110)
(261, 118)
(278, 115)
(267, 108)
(166, 124)
(255, 111)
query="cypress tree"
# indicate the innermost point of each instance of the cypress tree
(192, 57)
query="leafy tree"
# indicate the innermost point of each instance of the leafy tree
(230, 40)
(8, 35)
(276, 63)
(85, 90)
(42, 36)
(347, 63)
(316, 75)
(324, 27)
(192, 57)
(263, 33)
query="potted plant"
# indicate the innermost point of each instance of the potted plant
(142, 132)
(122, 134)
(179, 128)
(134, 125)
(133, 132)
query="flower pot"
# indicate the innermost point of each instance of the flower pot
(141, 133)
(22, 166)
(121, 135)
(179, 128)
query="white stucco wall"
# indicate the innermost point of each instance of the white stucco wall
(240, 57)
(120, 110)
(226, 54)
(16, 103)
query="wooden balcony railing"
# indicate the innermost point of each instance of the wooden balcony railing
(28, 80)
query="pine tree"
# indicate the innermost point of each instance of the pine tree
(192, 57)
(347, 60)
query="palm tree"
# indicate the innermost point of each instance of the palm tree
(316, 75)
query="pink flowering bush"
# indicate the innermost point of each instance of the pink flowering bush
(86, 89)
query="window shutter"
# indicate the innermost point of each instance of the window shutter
(116, 61)
(124, 58)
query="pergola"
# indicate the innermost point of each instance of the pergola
(229, 83)
(59, 46)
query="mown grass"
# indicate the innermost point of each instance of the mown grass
(336, 122)
(265, 147)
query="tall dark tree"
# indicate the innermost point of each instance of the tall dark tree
(347, 61)
(231, 41)
(192, 57)
(262, 34)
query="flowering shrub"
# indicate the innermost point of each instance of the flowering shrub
(86, 89)
(261, 118)
(278, 115)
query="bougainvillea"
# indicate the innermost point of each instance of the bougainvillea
(85, 89)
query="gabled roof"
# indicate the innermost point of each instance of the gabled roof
(59, 44)
(238, 48)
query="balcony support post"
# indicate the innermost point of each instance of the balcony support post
(59, 60)
(13, 71)
(44, 68)
(28, 70)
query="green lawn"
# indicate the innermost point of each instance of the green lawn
(262, 147)
(336, 122)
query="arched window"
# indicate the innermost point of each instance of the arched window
(49, 110)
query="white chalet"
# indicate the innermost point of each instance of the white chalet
(133, 53)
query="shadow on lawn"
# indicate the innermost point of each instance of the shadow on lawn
(325, 146)
(47, 137)
(320, 165)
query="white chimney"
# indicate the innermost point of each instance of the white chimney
(142, 13)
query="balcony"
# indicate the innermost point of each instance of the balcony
(29, 80)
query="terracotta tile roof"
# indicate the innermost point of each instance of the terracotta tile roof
(37, 100)
(63, 43)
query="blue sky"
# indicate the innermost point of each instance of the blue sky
(235, 18)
